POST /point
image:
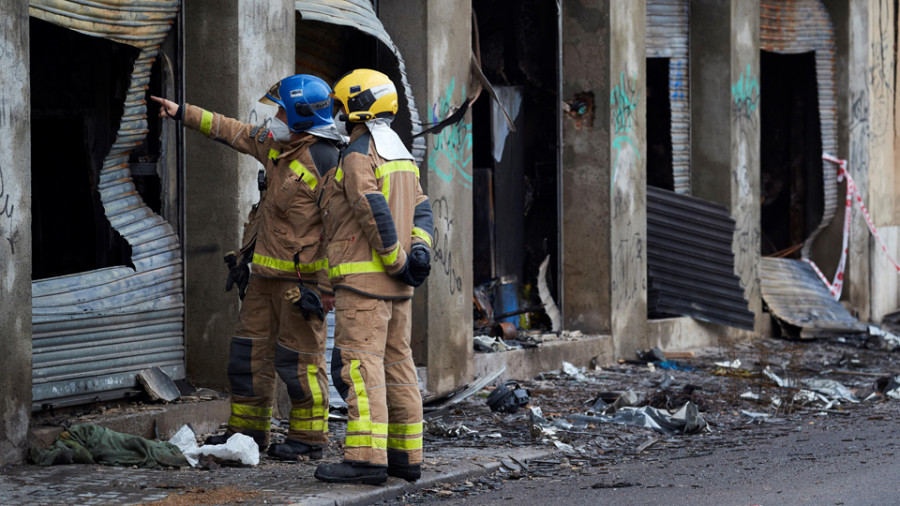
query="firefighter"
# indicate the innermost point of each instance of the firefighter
(378, 229)
(281, 325)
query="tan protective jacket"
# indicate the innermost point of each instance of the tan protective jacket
(373, 211)
(286, 223)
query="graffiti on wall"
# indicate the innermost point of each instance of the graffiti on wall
(451, 156)
(624, 283)
(443, 226)
(745, 94)
(623, 100)
(7, 210)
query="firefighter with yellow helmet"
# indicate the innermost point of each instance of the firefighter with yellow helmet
(378, 226)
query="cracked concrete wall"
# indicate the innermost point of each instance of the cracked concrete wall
(15, 231)
(233, 52)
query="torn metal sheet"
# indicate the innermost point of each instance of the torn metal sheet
(360, 14)
(431, 405)
(94, 331)
(690, 262)
(797, 297)
(686, 419)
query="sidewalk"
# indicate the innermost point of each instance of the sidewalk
(271, 482)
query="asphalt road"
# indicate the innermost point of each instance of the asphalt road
(822, 460)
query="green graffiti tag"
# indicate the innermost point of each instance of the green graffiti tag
(451, 156)
(745, 93)
(624, 101)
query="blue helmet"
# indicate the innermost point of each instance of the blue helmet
(306, 99)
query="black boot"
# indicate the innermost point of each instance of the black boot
(261, 438)
(349, 472)
(292, 449)
(407, 472)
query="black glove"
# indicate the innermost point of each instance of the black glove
(418, 265)
(238, 274)
(310, 303)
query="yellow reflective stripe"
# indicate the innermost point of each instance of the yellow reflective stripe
(359, 426)
(288, 266)
(245, 423)
(205, 122)
(339, 175)
(357, 267)
(379, 443)
(364, 441)
(379, 429)
(244, 410)
(273, 154)
(405, 428)
(318, 425)
(396, 166)
(421, 234)
(311, 371)
(404, 444)
(390, 258)
(304, 174)
(386, 187)
(359, 387)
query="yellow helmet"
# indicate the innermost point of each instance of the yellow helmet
(366, 94)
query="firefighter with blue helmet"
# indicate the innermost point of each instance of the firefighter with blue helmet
(280, 270)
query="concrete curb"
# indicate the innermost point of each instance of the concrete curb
(351, 495)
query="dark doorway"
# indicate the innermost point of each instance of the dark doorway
(514, 189)
(790, 152)
(659, 125)
(78, 86)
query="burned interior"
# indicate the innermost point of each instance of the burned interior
(514, 189)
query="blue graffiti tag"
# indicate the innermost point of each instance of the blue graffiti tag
(453, 144)
(624, 101)
(745, 93)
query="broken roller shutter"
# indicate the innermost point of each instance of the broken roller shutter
(94, 331)
(790, 288)
(667, 37)
(690, 262)
(360, 15)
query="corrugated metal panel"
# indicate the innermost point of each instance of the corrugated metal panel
(359, 14)
(796, 296)
(668, 26)
(802, 26)
(94, 331)
(690, 263)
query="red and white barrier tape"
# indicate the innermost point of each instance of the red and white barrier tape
(836, 286)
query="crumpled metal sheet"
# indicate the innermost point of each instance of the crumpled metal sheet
(95, 331)
(686, 419)
(795, 295)
(359, 14)
(139, 23)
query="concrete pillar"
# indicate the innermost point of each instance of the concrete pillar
(604, 176)
(435, 40)
(15, 232)
(448, 177)
(725, 125)
(233, 52)
(863, 98)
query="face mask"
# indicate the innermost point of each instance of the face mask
(280, 131)
(340, 125)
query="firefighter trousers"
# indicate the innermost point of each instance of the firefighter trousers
(372, 368)
(272, 337)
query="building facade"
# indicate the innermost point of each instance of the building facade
(658, 162)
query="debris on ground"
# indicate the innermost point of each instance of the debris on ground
(507, 397)
(158, 385)
(238, 448)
